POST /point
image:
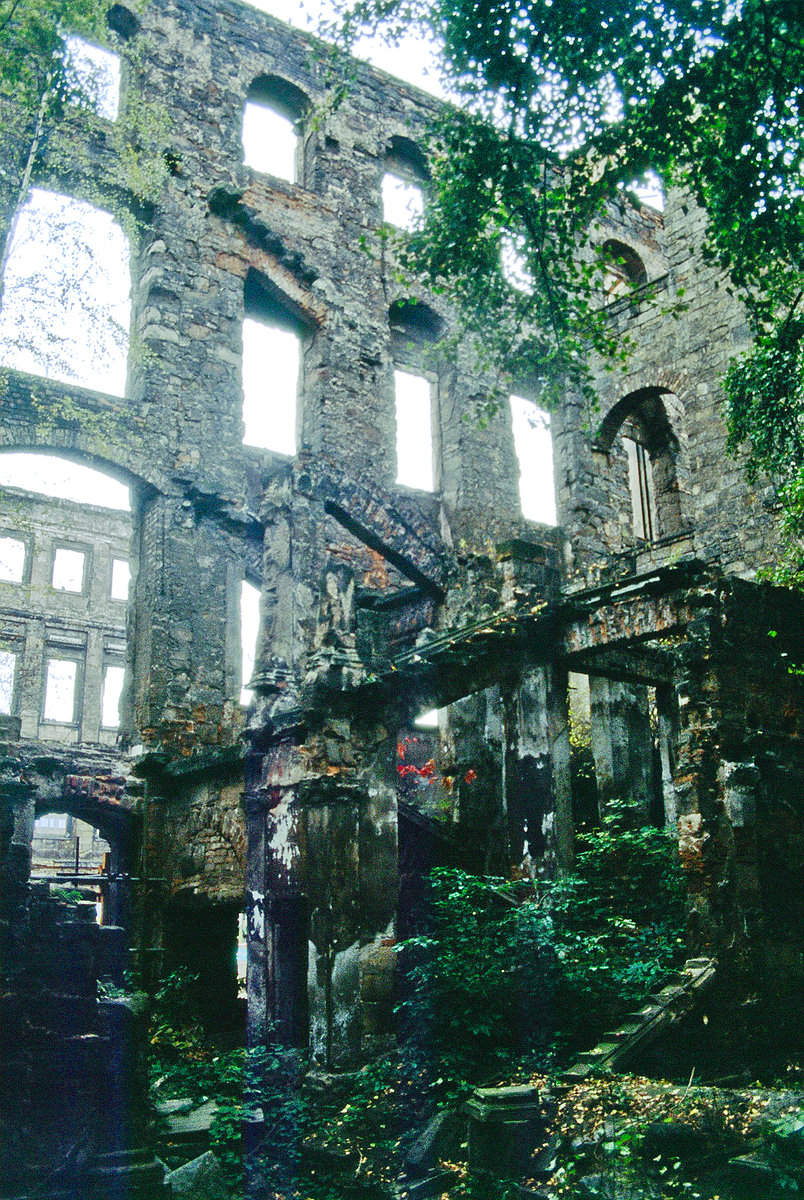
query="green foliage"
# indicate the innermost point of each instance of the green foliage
(185, 1064)
(504, 977)
(561, 106)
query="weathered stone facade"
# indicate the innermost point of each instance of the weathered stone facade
(379, 601)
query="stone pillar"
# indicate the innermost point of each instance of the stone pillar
(667, 706)
(93, 687)
(537, 785)
(622, 744)
(321, 890)
(180, 618)
(31, 678)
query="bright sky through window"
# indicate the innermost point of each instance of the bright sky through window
(402, 202)
(112, 690)
(12, 559)
(514, 266)
(269, 142)
(8, 663)
(68, 570)
(60, 691)
(534, 450)
(414, 431)
(249, 632)
(121, 578)
(270, 382)
(95, 73)
(409, 58)
(66, 307)
(427, 720)
(64, 480)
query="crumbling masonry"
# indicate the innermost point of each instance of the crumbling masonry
(379, 601)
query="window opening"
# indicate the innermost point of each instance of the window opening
(515, 264)
(121, 579)
(414, 431)
(122, 22)
(66, 310)
(12, 560)
(93, 76)
(53, 825)
(427, 720)
(270, 142)
(60, 691)
(271, 363)
(68, 570)
(533, 443)
(641, 485)
(623, 269)
(402, 202)
(249, 632)
(113, 678)
(8, 669)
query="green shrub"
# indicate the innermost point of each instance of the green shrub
(504, 975)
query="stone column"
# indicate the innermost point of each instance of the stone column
(180, 617)
(537, 788)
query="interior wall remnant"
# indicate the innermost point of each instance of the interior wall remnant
(622, 745)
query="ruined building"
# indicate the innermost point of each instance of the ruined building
(391, 582)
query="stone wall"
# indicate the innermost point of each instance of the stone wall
(379, 600)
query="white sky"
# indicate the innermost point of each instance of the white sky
(249, 632)
(534, 450)
(53, 476)
(271, 359)
(414, 431)
(412, 60)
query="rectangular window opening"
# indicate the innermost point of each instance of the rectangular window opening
(271, 364)
(8, 669)
(402, 202)
(270, 142)
(60, 684)
(12, 560)
(68, 570)
(113, 678)
(249, 632)
(533, 443)
(121, 578)
(93, 76)
(54, 825)
(414, 431)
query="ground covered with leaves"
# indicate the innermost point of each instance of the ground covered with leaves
(503, 984)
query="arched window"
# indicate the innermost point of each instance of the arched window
(643, 435)
(414, 322)
(66, 310)
(406, 173)
(272, 127)
(623, 269)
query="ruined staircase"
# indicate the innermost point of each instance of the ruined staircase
(661, 1010)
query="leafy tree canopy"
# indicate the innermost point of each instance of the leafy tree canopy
(32, 45)
(563, 104)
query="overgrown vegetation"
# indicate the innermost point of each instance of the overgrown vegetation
(505, 978)
(503, 981)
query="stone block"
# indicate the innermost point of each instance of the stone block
(201, 1179)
